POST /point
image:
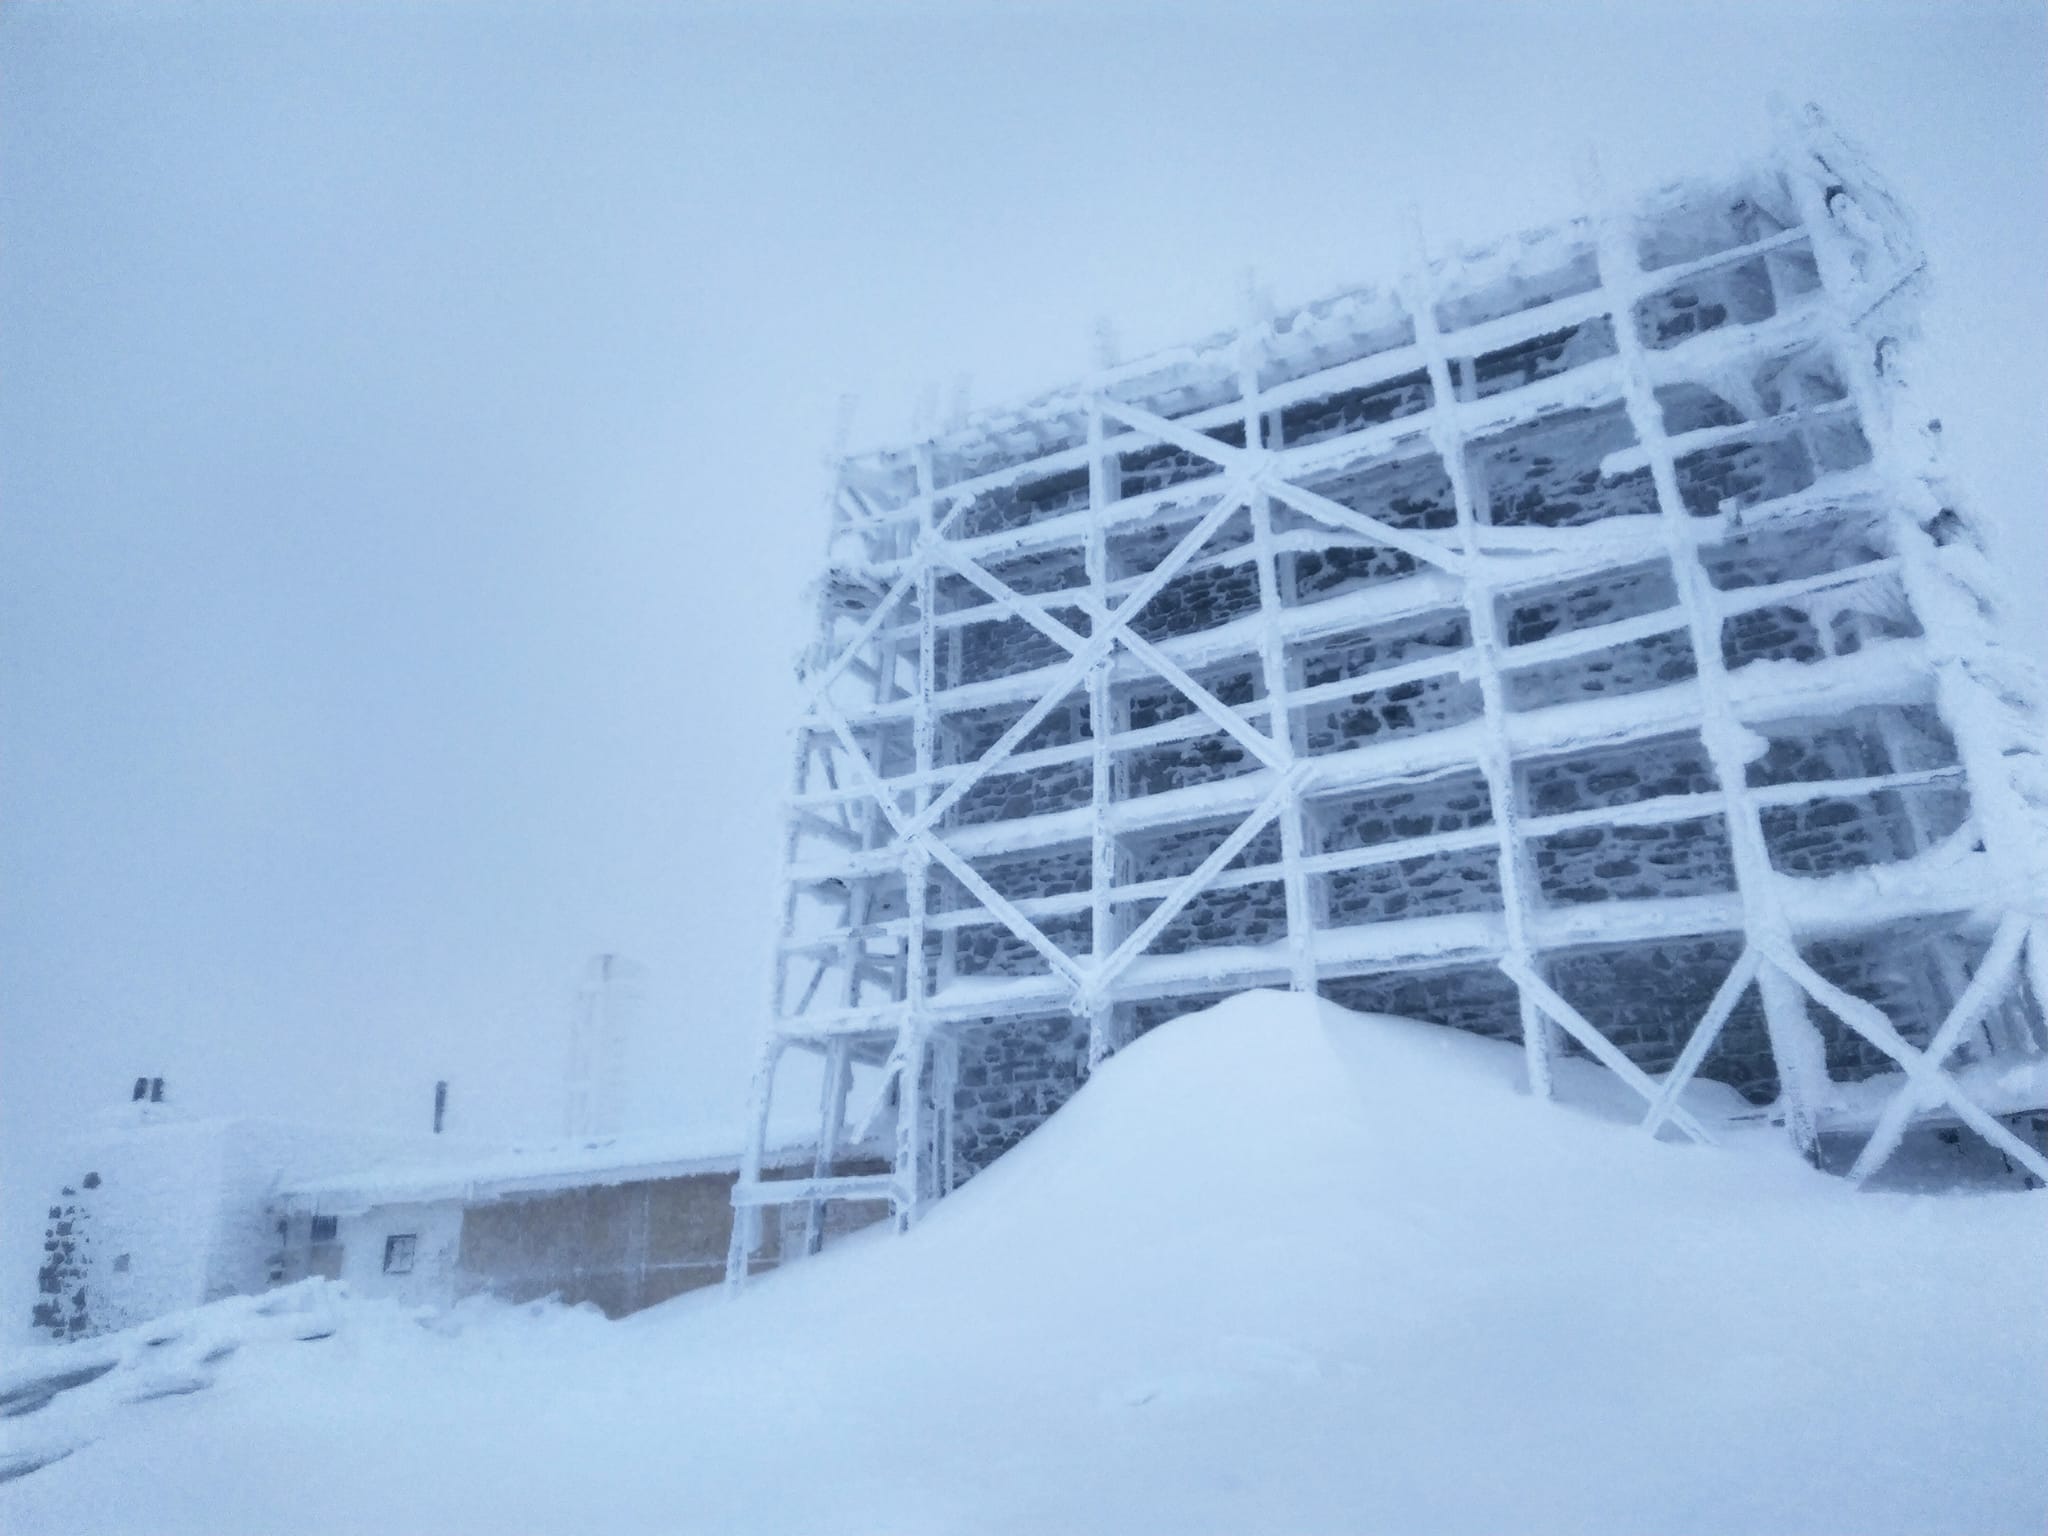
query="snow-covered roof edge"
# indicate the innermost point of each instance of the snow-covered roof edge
(536, 1170)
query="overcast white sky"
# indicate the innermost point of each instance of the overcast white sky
(411, 425)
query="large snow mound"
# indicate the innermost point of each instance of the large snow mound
(1276, 1268)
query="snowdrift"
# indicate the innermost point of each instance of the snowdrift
(1276, 1268)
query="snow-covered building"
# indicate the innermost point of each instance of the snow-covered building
(164, 1213)
(620, 1222)
(1576, 641)
(158, 1212)
(154, 1211)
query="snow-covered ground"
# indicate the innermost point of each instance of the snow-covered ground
(1276, 1268)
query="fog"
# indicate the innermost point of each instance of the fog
(413, 427)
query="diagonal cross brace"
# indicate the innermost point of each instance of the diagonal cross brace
(1258, 468)
(1109, 629)
(917, 829)
(1104, 974)
(965, 873)
(1995, 970)
(1873, 1026)
(1101, 618)
(1097, 647)
(1609, 1055)
(1262, 746)
(905, 580)
(1726, 996)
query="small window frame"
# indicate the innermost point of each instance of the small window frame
(401, 1251)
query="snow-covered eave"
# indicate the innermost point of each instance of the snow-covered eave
(544, 1170)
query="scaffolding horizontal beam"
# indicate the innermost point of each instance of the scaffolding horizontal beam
(1813, 909)
(1497, 334)
(1884, 672)
(771, 1192)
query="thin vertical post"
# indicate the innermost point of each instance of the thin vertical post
(945, 1091)
(1823, 175)
(1103, 489)
(911, 1043)
(838, 1079)
(1517, 887)
(746, 1219)
(1273, 665)
(1796, 1046)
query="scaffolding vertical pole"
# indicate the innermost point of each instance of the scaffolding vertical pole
(838, 1078)
(1102, 490)
(912, 1055)
(1796, 1045)
(1301, 964)
(1517, 889)
(746, 1219)
(945, 1091)
(1823, 175)
(2037, 973)
(911, 1045)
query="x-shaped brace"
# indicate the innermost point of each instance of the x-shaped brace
(1250, 472)
(1993, 973)
(1259, 469)
(1603, 1050)
(1927, 1081)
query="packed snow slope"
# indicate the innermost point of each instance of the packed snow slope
(1276, 1269)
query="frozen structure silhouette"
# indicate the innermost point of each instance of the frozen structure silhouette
(1577, 643)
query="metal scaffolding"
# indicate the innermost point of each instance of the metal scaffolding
(1615, 556)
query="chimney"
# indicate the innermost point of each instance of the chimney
(440, 1105)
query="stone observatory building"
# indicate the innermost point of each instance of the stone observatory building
(1574, 641)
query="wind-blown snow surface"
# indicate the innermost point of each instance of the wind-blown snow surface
(1276, 1268)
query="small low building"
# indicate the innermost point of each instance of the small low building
(622, 1222)
(152, 1211)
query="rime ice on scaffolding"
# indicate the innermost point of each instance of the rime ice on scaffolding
(1574, 642)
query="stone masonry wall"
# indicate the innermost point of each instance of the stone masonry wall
(1431, 885)
(1013, 1073)
(1641, 863)
(1634, 667)
(1239, 914)
(1387, 714)
(1647, 998)
(1366, 818)
(1476, 998)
